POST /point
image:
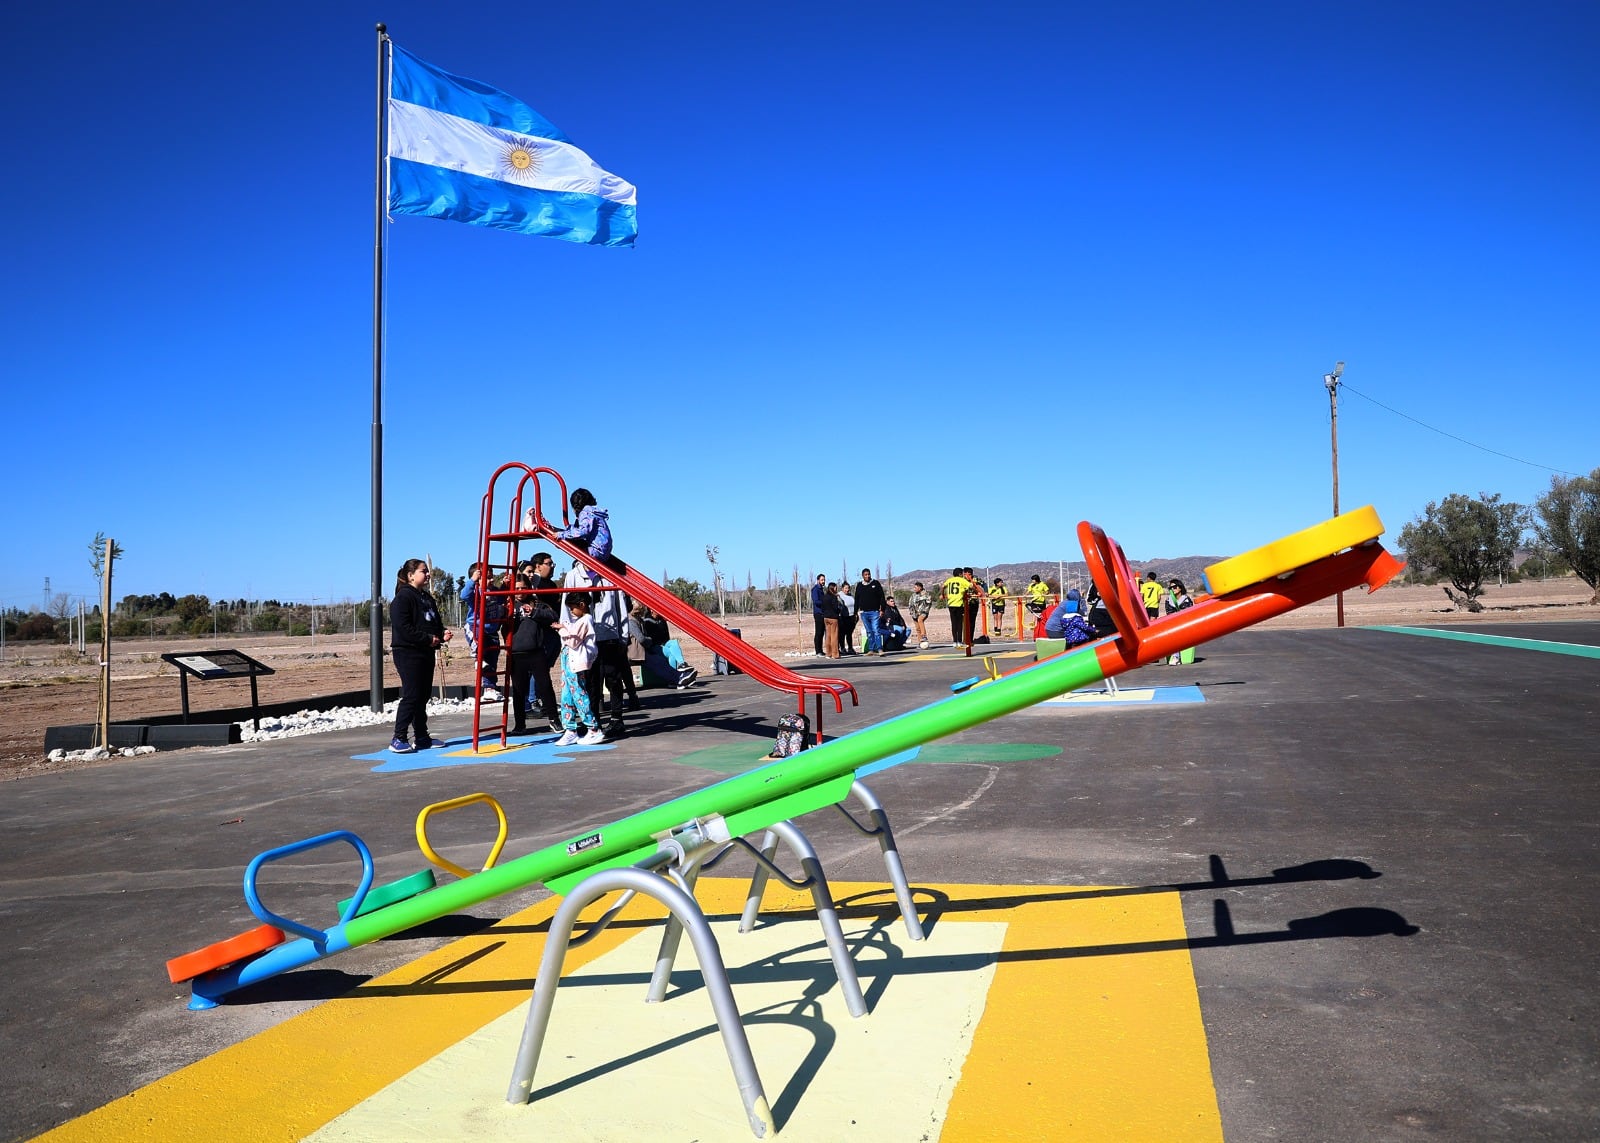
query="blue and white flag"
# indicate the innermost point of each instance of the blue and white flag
(462, 150)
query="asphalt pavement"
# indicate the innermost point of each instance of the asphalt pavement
(1385, 846)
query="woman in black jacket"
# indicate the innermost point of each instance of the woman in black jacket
(416, 633)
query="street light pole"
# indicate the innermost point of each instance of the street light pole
(1331, 380)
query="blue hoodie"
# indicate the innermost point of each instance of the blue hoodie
(1067, 621)
(590, 531)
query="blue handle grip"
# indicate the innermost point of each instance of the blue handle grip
(317, 935)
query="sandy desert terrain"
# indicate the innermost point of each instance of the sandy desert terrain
(44, 685)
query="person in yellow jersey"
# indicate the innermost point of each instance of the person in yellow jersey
(1151, 592)
(997, 606)
(975, 597)
(955, 598)
(1038, 598)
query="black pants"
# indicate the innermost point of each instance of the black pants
(416, 680)
(532, 667)
(847, 634)
(822, 626)
(958, 618)
(610, 673)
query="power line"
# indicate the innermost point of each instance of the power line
(1473, 444)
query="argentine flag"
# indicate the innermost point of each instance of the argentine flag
(462, 150)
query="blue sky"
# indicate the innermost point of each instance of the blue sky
(915, 283)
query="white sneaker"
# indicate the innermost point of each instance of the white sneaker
(490, 695)
(594, 738)
(570, 738)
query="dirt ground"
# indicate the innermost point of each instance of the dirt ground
(43, 685)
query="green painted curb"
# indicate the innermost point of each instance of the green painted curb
(1582, 650)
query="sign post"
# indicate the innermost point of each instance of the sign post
(225, 663)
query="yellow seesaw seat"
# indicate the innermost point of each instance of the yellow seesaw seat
(1293, 551)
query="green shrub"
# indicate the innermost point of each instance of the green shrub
(329, 627)
(193, 607)
(298, 628)
(37, 626)
(266, 621)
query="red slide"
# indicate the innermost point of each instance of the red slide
(615, 573)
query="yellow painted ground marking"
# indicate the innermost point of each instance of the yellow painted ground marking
(487, 748)
(289, 1080)
(616, 1069)
(1090, 1030)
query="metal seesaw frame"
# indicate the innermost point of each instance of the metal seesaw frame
(669, 876)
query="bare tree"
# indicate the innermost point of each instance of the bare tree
(716, 581)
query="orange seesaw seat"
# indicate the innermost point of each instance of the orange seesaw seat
(223, 953)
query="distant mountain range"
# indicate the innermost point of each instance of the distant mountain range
(1186, 568)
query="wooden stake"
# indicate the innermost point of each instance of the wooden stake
(442, 646)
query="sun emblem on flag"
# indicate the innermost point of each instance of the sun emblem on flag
(519, 161)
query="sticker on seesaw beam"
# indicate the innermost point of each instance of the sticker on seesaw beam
(588, 841)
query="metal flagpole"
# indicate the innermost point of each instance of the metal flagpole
(375, 615)
(375, 604)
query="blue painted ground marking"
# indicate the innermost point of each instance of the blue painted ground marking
(1129, 696)
(534, 750)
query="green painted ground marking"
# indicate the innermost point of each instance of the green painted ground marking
(730, 757)
(986, 752)
(1582, 650)
(737, 757)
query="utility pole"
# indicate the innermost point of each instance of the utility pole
(1331, 380)
(103, 714)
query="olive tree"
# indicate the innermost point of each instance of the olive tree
(1466, 541)
(688, 590)
(1567, 520)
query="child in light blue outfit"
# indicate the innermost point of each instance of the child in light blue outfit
(578, 651)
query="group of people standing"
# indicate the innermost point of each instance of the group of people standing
(594, 637)
(965, 596)
(837, 608)
(1078, 618)
(1159, 600)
